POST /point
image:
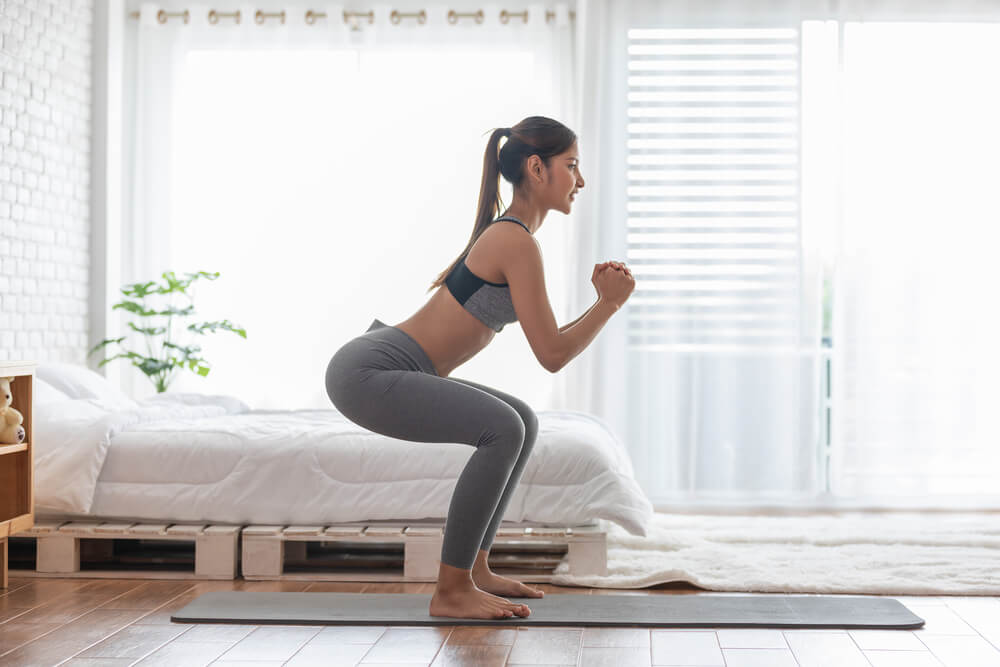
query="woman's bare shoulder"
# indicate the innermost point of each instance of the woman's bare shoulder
(495, 246)
(509, 234)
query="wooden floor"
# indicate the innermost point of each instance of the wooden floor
(127, 622)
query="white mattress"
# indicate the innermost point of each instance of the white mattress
(205, 458)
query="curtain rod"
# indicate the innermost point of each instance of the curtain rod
(311, 16)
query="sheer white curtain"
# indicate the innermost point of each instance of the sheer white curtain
(918, 366)
(778, 174)
(328, 174)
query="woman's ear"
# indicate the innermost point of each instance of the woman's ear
(536, 167)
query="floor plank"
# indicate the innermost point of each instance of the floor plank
(622, 656)
(133, 641)
(74, 604)
(329, 655)
(767, 657)
(71, 638)
(686, 647)
(189, 654)
(813, 648)
(400, 643)
(15, 633)
(36, 593)
(548, 645)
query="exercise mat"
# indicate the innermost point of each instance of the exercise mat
(680, 611)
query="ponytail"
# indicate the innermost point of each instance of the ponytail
(489, 198)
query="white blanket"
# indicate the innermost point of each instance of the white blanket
(196, 457)
(72, 439)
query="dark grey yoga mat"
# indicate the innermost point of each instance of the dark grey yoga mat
(689, 611)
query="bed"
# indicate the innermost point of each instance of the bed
(189, 457)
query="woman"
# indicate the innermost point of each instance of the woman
(394, 379)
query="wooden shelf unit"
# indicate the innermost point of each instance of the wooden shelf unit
(17, 496)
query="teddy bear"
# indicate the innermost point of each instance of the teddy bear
(11, 431)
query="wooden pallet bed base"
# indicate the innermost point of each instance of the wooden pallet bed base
(266, 548)
(58, 548)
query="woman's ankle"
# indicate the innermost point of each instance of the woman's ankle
(454, 579)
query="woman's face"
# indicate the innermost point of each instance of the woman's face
(564, 179)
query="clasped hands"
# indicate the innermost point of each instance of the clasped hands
(618, 266)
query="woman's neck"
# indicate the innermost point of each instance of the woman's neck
(532, 218)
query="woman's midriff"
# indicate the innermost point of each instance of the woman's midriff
(449, 334)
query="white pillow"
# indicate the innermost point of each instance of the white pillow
(80, 382)
(44, 393)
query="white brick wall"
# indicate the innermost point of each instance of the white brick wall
(45, 51)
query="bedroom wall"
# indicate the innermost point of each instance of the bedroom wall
(45, 51)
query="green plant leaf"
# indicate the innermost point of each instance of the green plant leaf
(133, 307)
(224, 324)
(138, 289)
(105, 342)
(124, 355)
(149, 331)
(177, 312)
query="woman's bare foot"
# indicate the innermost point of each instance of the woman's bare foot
(474, 603)
(494, 583)
(456, 595)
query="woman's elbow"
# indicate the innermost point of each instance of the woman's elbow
(552, 365)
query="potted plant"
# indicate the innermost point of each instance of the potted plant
(170, 355)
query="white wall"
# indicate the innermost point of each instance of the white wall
(45, 55)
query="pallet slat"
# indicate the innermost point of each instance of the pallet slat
(114, 528)
(79, 527)
(43, 527)
(149, 529)
(385, 531)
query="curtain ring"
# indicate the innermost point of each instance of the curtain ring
(162, 15)
(396, 16)
(213, 16)
(260, 16)
(453, 16)
(311, 16)
(505, 16)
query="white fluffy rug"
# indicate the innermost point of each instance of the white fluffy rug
(891, 553)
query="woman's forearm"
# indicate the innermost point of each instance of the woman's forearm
(575, 338)
(567, 326)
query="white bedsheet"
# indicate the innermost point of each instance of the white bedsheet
(195, 457)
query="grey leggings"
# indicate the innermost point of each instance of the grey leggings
(383, 381)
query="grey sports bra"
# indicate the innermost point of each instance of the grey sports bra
(489, 302)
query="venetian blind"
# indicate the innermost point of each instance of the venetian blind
(713, 187)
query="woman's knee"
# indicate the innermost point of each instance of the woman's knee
(528, 418)
(530, 421)
(507, 431)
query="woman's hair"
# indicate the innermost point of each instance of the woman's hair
(535, 135)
